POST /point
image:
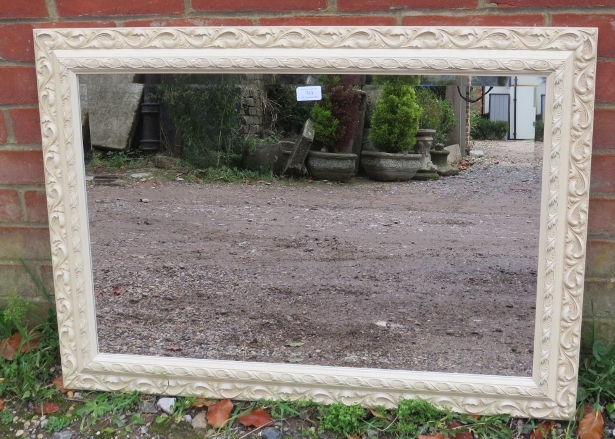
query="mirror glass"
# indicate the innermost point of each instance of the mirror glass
(192, 259)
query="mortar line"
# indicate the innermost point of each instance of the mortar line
(52, 10)
(10, 135)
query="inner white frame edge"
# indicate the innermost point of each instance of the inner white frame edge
(566, 56)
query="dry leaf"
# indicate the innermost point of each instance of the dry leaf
(48, 407)
(376, 414)
(202, 402)
(59, 383)
(257, 418)
(543, 431)
(591, 425)
(34, 338)
(353, 437)
(219, 413)
(118, 291)
(10, 346)
(460, 433)
(1, 404)
(437, 436)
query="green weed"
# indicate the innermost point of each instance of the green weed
(229, 175)
(27, 376)
(597, 375)
(104, 404)
(6, 417)
(57, 423)
(342, 419)
(415, 416)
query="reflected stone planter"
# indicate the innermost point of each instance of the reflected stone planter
(382, 166)
(330, 166)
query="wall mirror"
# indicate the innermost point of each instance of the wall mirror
(466, 291)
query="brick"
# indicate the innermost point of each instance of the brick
(604, 121)
(36, 206)
(97, 8)
(3, 133)
(18, 85)
(551, 3)
(21, 167)
(16, 280)
(475, 20)
(387, 5)
(26, 125)
(10, 207)
(162, 22)
(600, 260)
(46, 276)
(328, 21)
(605, 76)
(259, 5)
(604, 23)
(602, 176)
(24, 243)
(23, 9)
(16, 43)
(599, 298)
(602, 215)
(594, 328)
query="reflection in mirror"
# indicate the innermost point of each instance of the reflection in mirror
(200, 251)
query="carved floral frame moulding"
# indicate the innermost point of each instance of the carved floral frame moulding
(566, 56)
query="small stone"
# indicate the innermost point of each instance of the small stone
(166, 405)
(141, 175)
(187, 418)
(477, 153)
(271, 433)
(19, 433)
(381, 323)
(62, 435)
(179, 179)
(144, 429)
(144, 200)
(182, 266)
(147, 407)
(44, 422)
(199, 422)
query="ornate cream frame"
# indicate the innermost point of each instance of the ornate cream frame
(566, 56)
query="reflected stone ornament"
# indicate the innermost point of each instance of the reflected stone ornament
(424, 139)
(440, 161)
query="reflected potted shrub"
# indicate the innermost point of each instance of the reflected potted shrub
(430, 118)
(394, 125)
(335, 120)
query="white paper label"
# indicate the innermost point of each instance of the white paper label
(310, 93)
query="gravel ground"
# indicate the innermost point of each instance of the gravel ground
(437, 275)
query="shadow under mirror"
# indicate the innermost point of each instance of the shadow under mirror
(215, 234)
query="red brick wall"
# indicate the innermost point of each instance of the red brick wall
(22, 215)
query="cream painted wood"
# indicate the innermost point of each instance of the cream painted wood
(566, 56)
